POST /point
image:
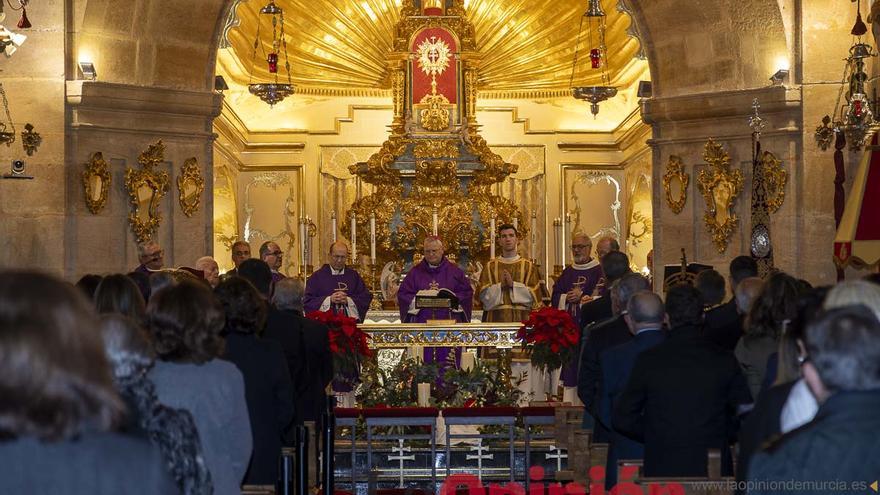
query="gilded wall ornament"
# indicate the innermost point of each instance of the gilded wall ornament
(96, 183)
(145, 189)
(775, 178)
(675, 183)
(436, 148)
(434, 117)
(719, 186)
(190, 186)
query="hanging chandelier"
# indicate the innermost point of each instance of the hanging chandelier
(274, 91)
(854, 117)
(594, 18)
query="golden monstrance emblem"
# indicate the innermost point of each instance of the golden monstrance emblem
(433, 56)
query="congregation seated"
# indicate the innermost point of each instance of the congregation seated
(173, 431)
(267, 383)
(60, 407)
(185, 321)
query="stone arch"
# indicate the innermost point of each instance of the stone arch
(149, 43)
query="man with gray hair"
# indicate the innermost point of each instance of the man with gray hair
(840, 445)
(604, 336)
(151, 257)
(210, 270)
(306, 347)
(644, 318)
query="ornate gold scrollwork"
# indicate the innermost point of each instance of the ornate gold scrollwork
(638, 218)
(96, 183)
(145, 189)
(190, 186)
(675, 178)
(720, 186)
(463, 334)
(774, 178)
(435, 117)
(436, 148)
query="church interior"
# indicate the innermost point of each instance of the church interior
(689, 134)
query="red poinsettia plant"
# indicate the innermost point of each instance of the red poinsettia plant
(550, 336)
(348, 343)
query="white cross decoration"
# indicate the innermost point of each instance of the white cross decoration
(479, 448)
(559, 456)
(400, 449)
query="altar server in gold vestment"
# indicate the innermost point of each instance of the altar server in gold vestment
(509, 284)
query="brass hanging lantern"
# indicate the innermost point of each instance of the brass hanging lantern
(274, 91)
(594, 18)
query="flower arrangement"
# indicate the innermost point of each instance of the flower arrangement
(550, 336)
(348, 344)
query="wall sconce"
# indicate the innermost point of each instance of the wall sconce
(779, 77)
(220, 84)
(10, 41)
(88, 71)
(30, 140)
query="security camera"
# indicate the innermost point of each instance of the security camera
(18, 167)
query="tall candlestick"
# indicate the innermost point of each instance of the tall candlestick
(308, 253)
(302, 243)
(372, 238)
(353, 239)
(333, 223)
(492, 238)
(435, 221)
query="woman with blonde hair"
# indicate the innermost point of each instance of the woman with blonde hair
(854, 293)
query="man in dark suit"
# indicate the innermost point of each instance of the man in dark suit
(724, 323)
(306, 345)
(682, 395)
(601, 337)
(841, 443)
(614, 265)
(644, 318)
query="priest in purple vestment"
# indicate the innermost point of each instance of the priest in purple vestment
(574, 288)
(338, 288)
(435, 272)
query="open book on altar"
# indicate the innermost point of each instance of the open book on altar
(436, 298)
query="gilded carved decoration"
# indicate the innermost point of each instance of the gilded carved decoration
(390, 335)
(146, 187)
(720, 187)
(267, 226)
(353, 39)
(775, 178)
(580, 212)
(190, 185)
(435, 114)
(436, 148)
(675, 183)
(96, 183)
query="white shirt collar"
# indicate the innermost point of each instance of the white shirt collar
(511, 259)
(334, 271)
(586, 266)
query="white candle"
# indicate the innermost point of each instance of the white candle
(534, 236)
(435, 221)
(302, 242)
(333, 224)
(424, 394)
(308, 253)
(516, 223)
(557, 226)
(468, 360)
(372, 238)
(565, 233)
(492, 238)
(353, 239)
(416, 353)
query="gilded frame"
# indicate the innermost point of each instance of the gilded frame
(775, 178)
(190, 175)
(720, 187)
(156, 181)
(96, 168)
(675, 171)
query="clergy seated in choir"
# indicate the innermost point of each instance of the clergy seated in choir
(509, 285)
(572, 289)
(433, 273)
(338, 288)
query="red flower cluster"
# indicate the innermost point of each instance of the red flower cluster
(551, 336)
(348, 343)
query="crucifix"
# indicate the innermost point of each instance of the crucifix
(400, 449)
(479, 448)
(559, 456)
